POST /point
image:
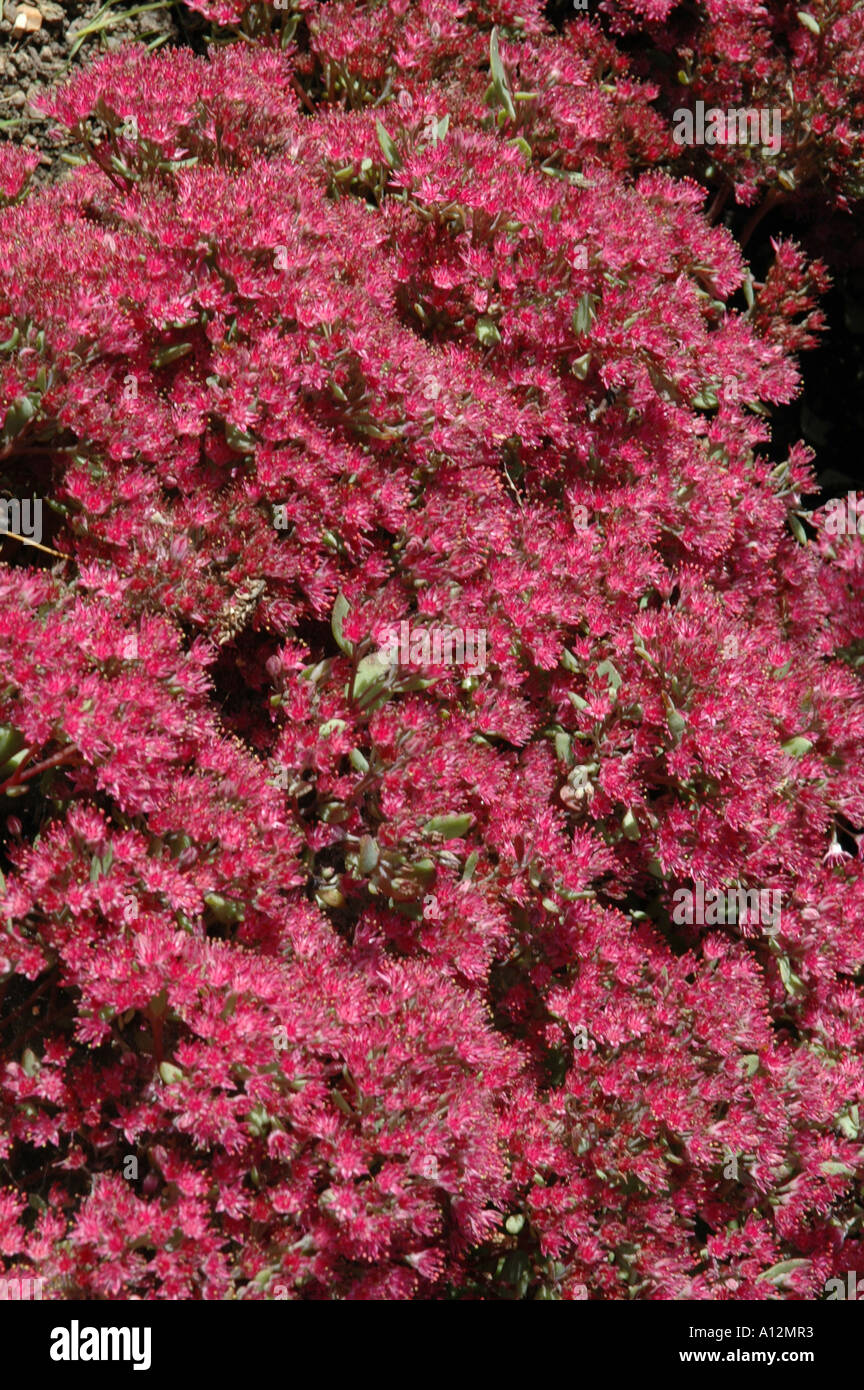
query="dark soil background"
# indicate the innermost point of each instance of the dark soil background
(829, 412)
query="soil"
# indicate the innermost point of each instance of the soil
(30, 62)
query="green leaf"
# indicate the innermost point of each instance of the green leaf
(792, 983)
(358, 761)
(487, 332)
(500, 85)
(630, 826)
(809, 22)
(568, 661)
(258, 1120)
(677, 723)
(30, 1063)
(562, 748)
(797, 747)
(370, 671)
(520, 143)
(470, 865)
(451, 827)
(779, 1271)
(584, 314)
(797, 529)
(171, 354)
(388, 149)
(12, 764)
(225, 910)
(238, 440)
(495, 63)
(747, 289)
(11, 742)
(341, 609)
(332, 726)
(607, 669)
(170, 1073)
(836, 1170)
(367, 857)
(849, 1123)
(20, 413)
(330, 897)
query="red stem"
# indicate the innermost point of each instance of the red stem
(19, 775)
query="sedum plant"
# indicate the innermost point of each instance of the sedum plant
(332, 966)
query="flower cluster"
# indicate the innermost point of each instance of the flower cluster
(804, 61)
(324, 974)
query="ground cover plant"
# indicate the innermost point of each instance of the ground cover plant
(422, 625)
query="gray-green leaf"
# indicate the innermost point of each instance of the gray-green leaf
(797, 747)
(341, 609)
(451, 827)
(778, 1271)
(499, 77)
(487, 332)
(388, 149)
(630, 826)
